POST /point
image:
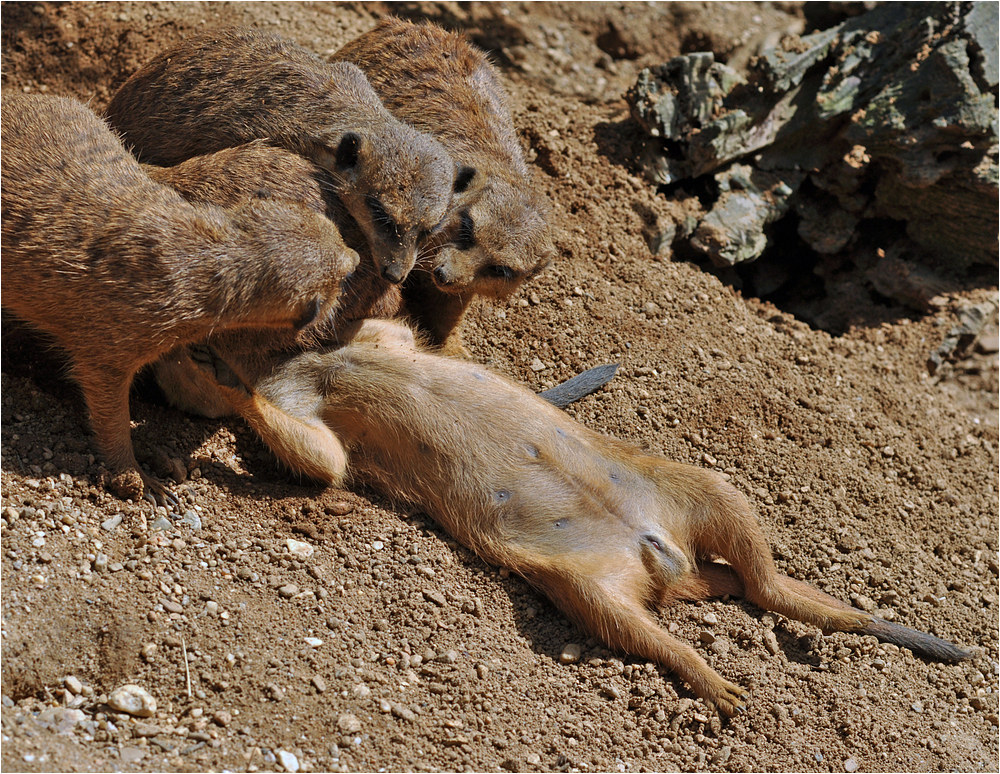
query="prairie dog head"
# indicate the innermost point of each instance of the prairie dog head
(491, 245)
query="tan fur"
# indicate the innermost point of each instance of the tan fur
(602, 528)
(497, 233)
(120, 269)
(228, 87)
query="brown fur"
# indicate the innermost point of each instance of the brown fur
(602, 528)
(228, 87)
(497, 234)
(120, 269)
(230, 178)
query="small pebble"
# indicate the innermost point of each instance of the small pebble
(339, 508)
(361, 691)
(771, 643)
(73, 685)
(111, 523)
(319, 683)
(537, 365)
(850, 765)
(404, 713)
(313, 642)
(299, 549)
(706, 636)
(348, 723)
(436, 597)
(192, 519)
(288, 761)
(161, 524)
(222, 718)
(570, 653)
(289, 590)
(212, 607)
(711, 619)
(133, 700)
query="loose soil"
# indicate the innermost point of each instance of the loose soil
(390, 647)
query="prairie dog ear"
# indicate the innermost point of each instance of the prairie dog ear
(464, 177)
(347, 151)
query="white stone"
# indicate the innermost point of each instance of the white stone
(133, 700)
(288, 761)
(299, 549)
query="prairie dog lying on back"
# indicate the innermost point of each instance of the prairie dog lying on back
(601, 527)
(229, 87)
(120, 269)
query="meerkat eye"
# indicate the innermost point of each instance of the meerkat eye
(383, 220)
(501, 272)
(466, 238)
(464, 178)
(347, 151)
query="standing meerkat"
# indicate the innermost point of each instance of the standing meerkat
(228, 87)
(120, 269)
(496, 235)
(604, 529)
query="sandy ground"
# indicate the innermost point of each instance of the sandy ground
(875, 481)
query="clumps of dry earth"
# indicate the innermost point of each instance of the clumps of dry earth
(278, 626)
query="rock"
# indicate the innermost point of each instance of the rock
(288, 761)
(313, 642)
(161, 524)
(131, 755)
(435, 596)
(60, 720)
(73, 685)
(212, 607)
(706, 637)
(222, 718)
(299, 549)
(404, 713)
(537, 365)
(711, 619)
(570, 653)
(533, 758)
(319, 683)
(111, 523)
(192, 519)
(850, 765)
(101, 563)
(771, 643)
(288, 591)
(348, 723)
(133, 700)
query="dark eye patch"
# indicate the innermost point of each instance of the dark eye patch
(500, 272)
(383, 220)
(466, 238)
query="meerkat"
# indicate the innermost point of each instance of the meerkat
(259, 171)
(229, 87)
(120, 269)
(602, 528)
(497, 234)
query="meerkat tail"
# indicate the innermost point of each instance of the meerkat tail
(921, 643)
(580, 385)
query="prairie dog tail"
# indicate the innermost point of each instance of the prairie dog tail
(716, 580)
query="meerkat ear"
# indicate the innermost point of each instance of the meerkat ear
(347, 151)
(463, 178)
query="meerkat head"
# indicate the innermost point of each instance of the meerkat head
(398, 184)
(493, 244)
